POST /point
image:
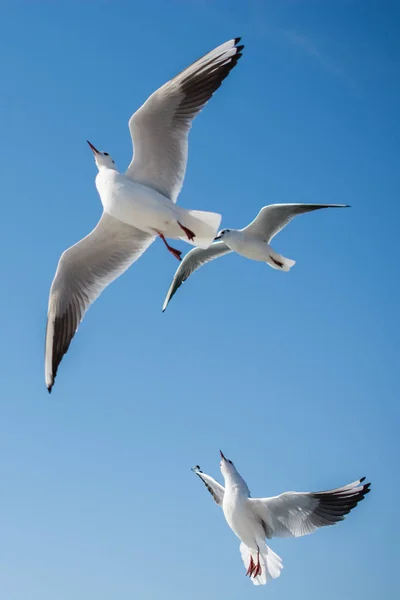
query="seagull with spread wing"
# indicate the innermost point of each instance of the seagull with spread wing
(140, 204)
(291, 514)
(251, 242)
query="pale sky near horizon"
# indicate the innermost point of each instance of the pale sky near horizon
(294, 376)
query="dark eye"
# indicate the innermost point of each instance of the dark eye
(230, 462)
(106, 154)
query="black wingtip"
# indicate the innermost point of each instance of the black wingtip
(366, 487)
(50, 385)
(238, 48)
(196, 469)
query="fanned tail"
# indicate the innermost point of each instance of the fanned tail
(279, 262)
(203, 224)
(271, 563)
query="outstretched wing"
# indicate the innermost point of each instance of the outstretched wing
(160, 128)
(296, 514)
(83, 272)
(273, 218)
(192, 261)
(216, 489)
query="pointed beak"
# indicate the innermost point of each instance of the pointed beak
(215, 239)
(222, 455)
(94, 150)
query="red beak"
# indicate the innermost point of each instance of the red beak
(95, 151)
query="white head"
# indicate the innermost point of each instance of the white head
(102, 159)
(231, 475)
(227, 467)
(223, 234)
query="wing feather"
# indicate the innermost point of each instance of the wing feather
(83, 272)
(296, 513)
(216, 490)
(273, 218)
(160, 127)
(193, 261)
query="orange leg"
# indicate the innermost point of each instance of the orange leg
(251, 566)
(257, 570)
(277, 262)
(188, 232)
(174, 251)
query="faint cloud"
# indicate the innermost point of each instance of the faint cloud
(309, 47)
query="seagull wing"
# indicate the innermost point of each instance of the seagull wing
(83, 272)
(216, 489)
(192, 261)
(160, 127)
(296, 514)
(273, 218)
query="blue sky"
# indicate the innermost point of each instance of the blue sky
(294, 376)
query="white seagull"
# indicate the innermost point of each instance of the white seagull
(251, 242)
(140, 204)
(291, 514)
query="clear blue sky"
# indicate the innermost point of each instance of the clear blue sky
(294, 376)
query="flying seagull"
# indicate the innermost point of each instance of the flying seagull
(291, 514)
(140, 204)
(251, 242)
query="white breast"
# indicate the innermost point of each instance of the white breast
(248, 246)
(133, 203)
(241, 520)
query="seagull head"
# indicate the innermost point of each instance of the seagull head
(227, 467)
(231, 475)
(222, 234)
(102, 159)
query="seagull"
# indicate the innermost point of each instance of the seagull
(291, 514)
(140, 204)
(251, 241)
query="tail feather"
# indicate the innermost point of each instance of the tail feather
(279, 262)
(271, 563)
(203, 224)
